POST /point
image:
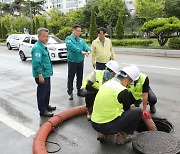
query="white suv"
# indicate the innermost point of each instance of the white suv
(56, 47)
(14, 40)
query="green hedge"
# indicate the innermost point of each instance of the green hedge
(3, 40)
(174, 43)
(132, 42)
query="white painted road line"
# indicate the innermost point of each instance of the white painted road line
(16, 126)
(170, 68)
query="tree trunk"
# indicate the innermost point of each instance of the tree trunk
(163, 38)
(110, 29)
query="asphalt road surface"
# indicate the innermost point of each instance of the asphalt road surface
(19, 116)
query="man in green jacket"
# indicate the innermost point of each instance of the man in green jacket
(42, 71)
(76, 49)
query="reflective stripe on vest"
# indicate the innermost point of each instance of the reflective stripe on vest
(106, 106)
(138, 88)
(97, 83)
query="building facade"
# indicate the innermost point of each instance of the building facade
(64, 5)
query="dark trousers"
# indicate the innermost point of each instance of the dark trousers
(43, 93)
(89, 99)
(127, 122)
(74, 68)
(100, 66)
(152, 99)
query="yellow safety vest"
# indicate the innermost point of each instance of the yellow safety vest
(106, 106)
(138, 88)
(97, 83)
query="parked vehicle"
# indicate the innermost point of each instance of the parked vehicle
(14, 40)
(56, 47)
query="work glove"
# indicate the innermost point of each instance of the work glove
(146, 114)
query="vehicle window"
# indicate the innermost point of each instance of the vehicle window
(27, 40)
(16, 37)
(11, 37)
(54, 40)
(33, 40)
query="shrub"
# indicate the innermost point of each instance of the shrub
(132, 42)
(64, 32)
(174, 43)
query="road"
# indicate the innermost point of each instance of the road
(19, 117)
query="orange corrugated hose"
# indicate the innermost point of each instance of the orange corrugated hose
(39, 146)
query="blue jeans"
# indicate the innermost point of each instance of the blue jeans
(43, 94)
(74, 68)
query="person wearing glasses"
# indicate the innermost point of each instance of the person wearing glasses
(77, 48)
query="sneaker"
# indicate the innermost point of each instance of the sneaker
(102, 137)
(122, 138)
(152, 109)
(70, 96)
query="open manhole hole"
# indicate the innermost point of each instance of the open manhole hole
(156, 142)
(161, 124)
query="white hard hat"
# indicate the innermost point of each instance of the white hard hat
(113, 65)
(133, 72)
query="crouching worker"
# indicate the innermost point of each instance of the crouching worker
(111, 111)
(94, 80)
(140, 91)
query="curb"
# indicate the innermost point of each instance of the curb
(2, 44)
(148, 52)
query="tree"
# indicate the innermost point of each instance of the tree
(119, 28)
(4, 8)
(92, 4)
(109, 10)
(93, 26)
(37, 25)
(172, 8)
(149, 9)
(162, 28)
(63, 32)
(18, 24)
(56, 20)
(35, 6)
(0, 30)
(4, 31)
(45, 23)
(33, 27)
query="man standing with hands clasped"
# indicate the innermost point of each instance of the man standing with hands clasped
(76, 49)
(42, 71)
(101, 49)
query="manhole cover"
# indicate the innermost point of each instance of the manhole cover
(156, 142)
(161, 124)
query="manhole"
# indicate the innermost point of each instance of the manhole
(161, 124)
(156, 142)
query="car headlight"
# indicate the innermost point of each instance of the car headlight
(53, 55)
(52, 48)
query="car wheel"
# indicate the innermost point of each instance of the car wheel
(9, 46)
(22, 56)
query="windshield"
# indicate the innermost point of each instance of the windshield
(54, 40)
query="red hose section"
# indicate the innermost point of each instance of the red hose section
(39, 143)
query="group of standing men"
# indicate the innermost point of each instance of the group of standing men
(110, 91)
